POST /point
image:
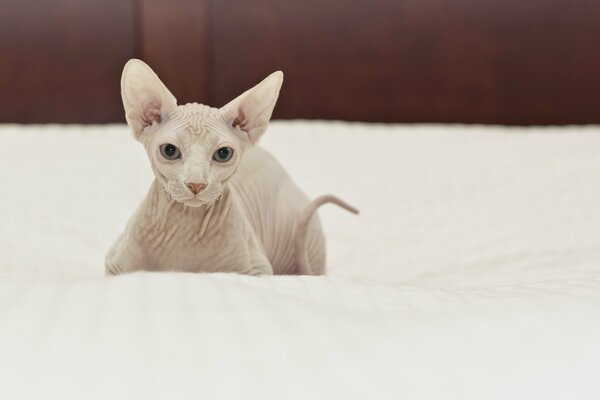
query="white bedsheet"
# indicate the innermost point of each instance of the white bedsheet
(473, 271)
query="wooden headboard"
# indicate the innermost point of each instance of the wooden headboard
(471, 61)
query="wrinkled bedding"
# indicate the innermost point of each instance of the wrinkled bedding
(473, 271)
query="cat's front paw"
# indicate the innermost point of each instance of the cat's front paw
(258, 270)
(111, 268)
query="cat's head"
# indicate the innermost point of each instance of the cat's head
(194, 149)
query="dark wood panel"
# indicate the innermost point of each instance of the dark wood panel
(61, 60)
(174, 39)
(486, 61)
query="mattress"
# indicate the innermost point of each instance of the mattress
(473, 271)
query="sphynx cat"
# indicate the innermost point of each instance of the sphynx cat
(218, 203)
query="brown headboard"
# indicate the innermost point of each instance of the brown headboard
(471, 61)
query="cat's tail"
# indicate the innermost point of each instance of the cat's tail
(302, 263)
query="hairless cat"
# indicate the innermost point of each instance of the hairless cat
(218, 203)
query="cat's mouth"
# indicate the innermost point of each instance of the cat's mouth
(199, 201)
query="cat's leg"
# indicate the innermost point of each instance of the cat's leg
(109, 263)
(260, 264)
(124, 256)
(242, 250)
(251, 259)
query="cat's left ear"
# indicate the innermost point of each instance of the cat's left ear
(251, 111)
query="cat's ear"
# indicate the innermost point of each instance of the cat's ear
(145, 98)
(251, 111)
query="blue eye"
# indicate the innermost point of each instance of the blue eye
(223, 154)
(170, 151)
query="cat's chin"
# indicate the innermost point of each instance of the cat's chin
(194, 203)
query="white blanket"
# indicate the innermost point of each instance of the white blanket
(473, 271)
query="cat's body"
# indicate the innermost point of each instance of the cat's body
(219, 203)
(251, 229)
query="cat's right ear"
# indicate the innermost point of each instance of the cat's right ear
(145, 98)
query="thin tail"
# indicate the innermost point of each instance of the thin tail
(304, 267)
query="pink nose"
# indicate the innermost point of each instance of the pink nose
(195, 187)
